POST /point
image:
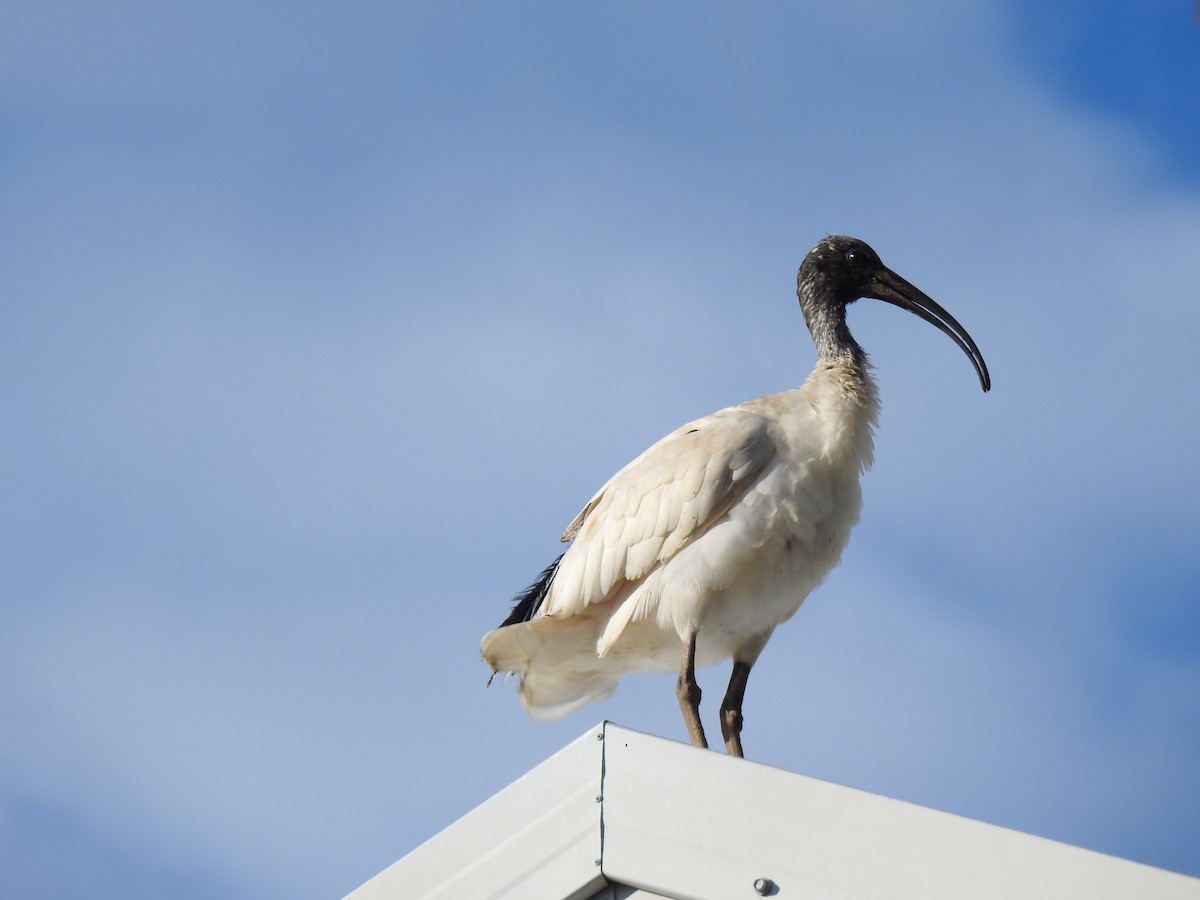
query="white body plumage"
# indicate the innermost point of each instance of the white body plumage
(720, 529)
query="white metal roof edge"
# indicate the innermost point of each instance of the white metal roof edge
(537, 838)
(705, 826)
(685, 823)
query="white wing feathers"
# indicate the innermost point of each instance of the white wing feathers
(655, 506)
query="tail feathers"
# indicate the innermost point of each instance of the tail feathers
(556, 661)
(530, 600)
(548, 696)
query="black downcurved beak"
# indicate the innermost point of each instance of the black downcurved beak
(886, 285)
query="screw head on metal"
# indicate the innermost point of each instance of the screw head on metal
(764, 886)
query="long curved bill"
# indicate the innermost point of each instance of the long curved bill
(886, 285)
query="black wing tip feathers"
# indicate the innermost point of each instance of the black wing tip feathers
(529, 601)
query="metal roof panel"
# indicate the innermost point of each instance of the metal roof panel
(620, 814)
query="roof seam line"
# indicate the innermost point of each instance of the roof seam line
(603, 798)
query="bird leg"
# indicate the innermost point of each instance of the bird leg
(688, 693)
(731, 708)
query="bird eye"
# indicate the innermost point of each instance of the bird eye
(855, 257)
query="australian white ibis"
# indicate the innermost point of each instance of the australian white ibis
(700, 547)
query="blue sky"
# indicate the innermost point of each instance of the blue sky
(320, 322)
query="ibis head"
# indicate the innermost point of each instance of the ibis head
(840, 270)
